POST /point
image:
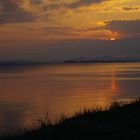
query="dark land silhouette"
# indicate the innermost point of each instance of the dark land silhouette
(118, 121)
(79, 60)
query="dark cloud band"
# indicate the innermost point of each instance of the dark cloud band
(130, 28)
(12, 12)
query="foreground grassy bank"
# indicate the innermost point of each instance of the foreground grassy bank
(115, 122)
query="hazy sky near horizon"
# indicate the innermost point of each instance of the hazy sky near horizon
(53, 30)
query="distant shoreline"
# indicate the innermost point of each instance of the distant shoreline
(12, 63)
(102, 61)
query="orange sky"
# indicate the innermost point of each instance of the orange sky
(59, 19)
(54, 20)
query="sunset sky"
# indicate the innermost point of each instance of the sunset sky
(56, 30)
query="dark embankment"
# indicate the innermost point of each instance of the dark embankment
(116, 122)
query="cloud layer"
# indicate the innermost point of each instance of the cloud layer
(80, 3)
(13, 12)
(127, 28)
(69, 19)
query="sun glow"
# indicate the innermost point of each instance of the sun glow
(112, 39)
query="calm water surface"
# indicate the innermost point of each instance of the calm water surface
(31, 91)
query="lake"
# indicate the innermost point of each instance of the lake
(29, 92)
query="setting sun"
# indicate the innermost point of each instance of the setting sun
(112, 39)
